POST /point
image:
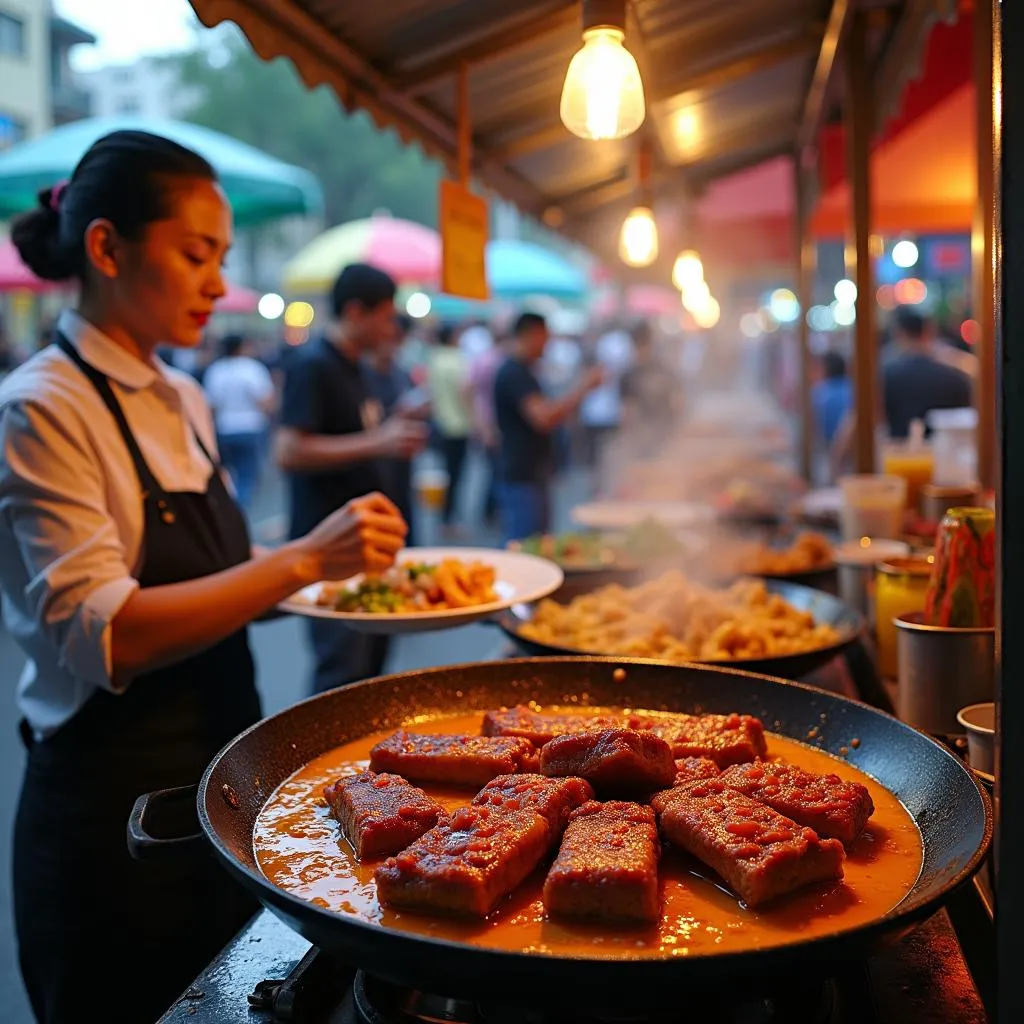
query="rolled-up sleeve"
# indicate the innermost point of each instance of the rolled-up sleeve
(62, 560)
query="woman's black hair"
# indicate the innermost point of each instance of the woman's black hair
(125, 177)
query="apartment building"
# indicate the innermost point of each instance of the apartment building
(37, 91)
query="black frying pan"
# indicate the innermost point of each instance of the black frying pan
(951, 810)
(825, 608)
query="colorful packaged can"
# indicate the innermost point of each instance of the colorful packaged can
(962, 590)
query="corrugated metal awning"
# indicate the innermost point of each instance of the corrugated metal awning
(727, 84)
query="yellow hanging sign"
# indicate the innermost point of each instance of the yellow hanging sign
(463, 219)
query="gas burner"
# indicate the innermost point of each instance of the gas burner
(374, 1001)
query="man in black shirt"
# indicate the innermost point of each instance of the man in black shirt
(915, 382)
(526, 420)
(332, 435)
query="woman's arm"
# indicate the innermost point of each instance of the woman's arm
(158, 626)
(64, 560)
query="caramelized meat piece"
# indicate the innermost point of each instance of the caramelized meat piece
(455, 760)
(760, 853)
(689, 769)
(380, 814)
(724, 739)
(612, 760)
(467, 863)
(553, 799)
(607, 866)
(826, 803)
(541, 728)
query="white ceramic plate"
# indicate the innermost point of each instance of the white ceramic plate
(521, 579)
(622, 515)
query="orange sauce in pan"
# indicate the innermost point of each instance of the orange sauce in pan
(299, 847)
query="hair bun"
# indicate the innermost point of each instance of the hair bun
(36, 236)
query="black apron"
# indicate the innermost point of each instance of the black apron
(101, 935)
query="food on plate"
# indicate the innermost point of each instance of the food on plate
(380, 814)
(454, 760)
(833, 807)
(760, 853)
(611, 760)
(689, 769)
(809, 552)
(672, 618)
(607, 865)
(483, 874)
(414, 587)
(553, 799)
(466, 864)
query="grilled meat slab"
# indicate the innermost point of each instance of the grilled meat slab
(828, 804)
(617, 761)
(467, 863)
(452, 760)
(760, 853)
(380, 814)
(607, 865)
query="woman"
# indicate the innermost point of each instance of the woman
(241, 393)
(129, 581)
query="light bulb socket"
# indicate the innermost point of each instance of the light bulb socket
(604, 14)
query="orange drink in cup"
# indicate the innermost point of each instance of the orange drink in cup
(432, 487)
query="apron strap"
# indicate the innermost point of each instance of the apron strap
(106, 392)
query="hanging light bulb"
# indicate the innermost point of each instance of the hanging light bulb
(603, 93)
(688, 270)
(708, 314)
(638, 244)
(696, 296)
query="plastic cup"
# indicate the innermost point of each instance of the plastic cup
(872, 506)
(432, 486)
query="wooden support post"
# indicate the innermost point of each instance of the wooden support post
(982, 235)
(805, 267)
(859, 121)
(465, 127)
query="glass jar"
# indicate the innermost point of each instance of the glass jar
(901, 587)
(962, 590)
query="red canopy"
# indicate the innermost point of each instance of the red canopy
(746, 219)
(923, 165)
(924, 179)
(15, 276)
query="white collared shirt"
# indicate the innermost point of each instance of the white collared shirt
(71, 520)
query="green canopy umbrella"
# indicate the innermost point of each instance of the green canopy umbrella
(259, 187)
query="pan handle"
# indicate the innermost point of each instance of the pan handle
(171, 815)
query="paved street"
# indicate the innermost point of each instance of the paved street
(283, 667)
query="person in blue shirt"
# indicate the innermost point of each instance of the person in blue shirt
(832, 396)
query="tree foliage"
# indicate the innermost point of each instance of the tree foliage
(360, 168)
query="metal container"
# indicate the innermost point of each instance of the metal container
(936, 500)
(855, 570)
(941, 670)
(901, 585)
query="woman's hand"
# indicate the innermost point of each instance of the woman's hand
(362, 536)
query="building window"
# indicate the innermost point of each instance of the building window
(128, 105)
(123, 75)
(11, 131)
(12, 36)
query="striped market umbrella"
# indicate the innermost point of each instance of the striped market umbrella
(409, 252)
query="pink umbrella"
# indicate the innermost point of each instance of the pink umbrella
(642, 300)
(15, 276)
(238, 300)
